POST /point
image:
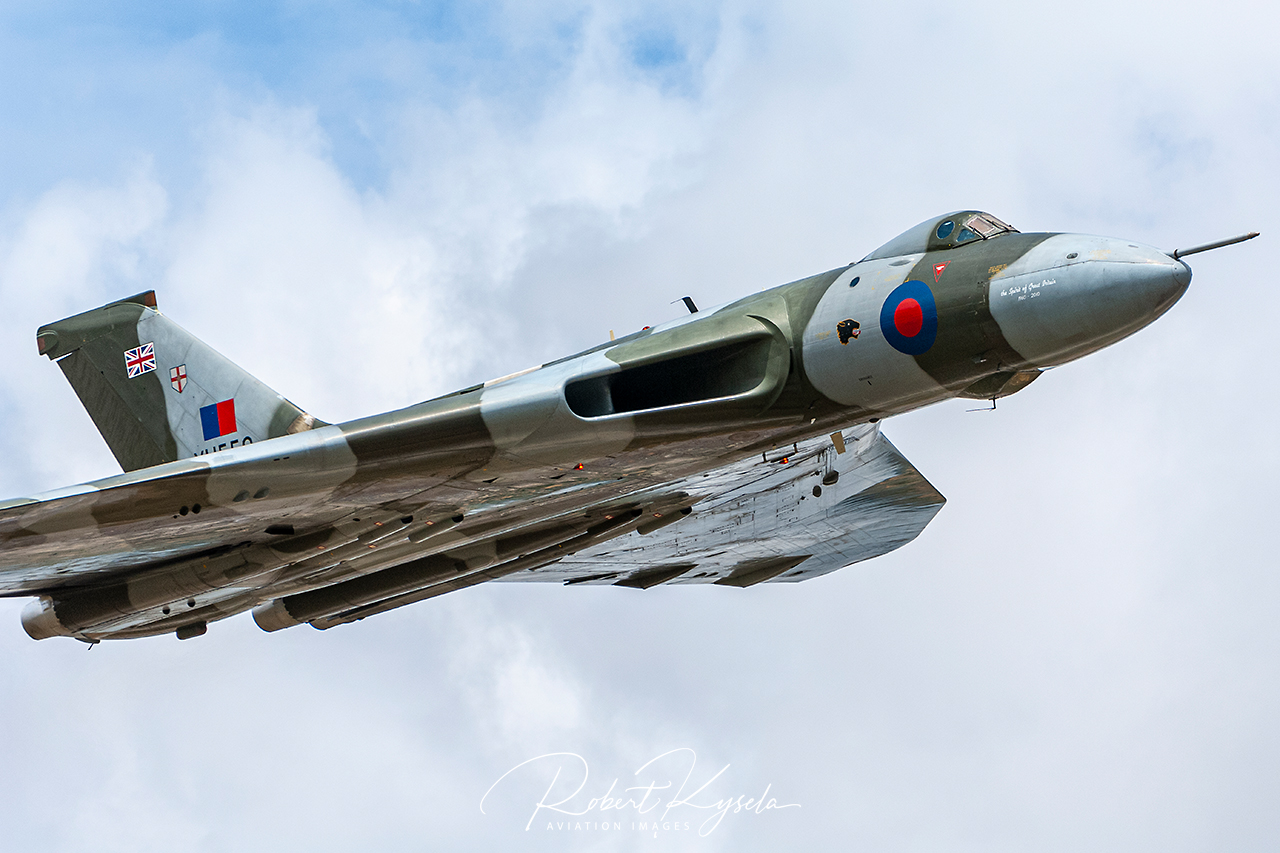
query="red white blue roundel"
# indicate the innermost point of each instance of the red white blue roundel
(909, 318)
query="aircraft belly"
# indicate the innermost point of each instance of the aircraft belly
(313, 464)
(878, 503)
(173, 510)
(863, 369)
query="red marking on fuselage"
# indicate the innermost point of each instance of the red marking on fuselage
(908, 318)
(937, 271)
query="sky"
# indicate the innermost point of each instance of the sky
(367, 205)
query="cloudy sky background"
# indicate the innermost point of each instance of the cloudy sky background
(369, 205)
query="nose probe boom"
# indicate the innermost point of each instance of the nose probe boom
(1194, 250)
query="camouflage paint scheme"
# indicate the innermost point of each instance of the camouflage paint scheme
(734, 446)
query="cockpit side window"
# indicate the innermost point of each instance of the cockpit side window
(946, 232)
(978, 226)
(985, 225)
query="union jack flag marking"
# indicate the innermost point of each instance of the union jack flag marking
(178, 377)
(141, 360)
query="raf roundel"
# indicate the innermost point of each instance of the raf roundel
(909, 318)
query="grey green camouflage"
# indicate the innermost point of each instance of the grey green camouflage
(736, 446)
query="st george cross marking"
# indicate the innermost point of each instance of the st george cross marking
(178, 377)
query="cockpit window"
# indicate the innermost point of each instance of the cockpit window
(944, 232)
(987, 225)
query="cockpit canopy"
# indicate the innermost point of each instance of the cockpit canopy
(943, 232)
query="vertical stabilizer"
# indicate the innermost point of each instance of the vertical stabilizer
(156, 392)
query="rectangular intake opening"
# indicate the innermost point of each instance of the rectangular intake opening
(723, 371)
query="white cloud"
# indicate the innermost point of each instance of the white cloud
(76, 247)
(519, 689)
(1086, 634)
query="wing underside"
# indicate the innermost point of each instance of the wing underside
(797, 522)
(105, 567)
(779, 517)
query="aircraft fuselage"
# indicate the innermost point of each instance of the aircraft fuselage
(330, 523)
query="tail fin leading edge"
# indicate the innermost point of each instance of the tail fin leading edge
(155, 391)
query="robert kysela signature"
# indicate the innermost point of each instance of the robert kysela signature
(648, 798)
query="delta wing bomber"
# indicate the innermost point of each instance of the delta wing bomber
(734, 446)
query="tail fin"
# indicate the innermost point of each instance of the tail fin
(155, 392)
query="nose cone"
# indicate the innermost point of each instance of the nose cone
(1139, 291)
(1182, 275)
(1088, 292)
